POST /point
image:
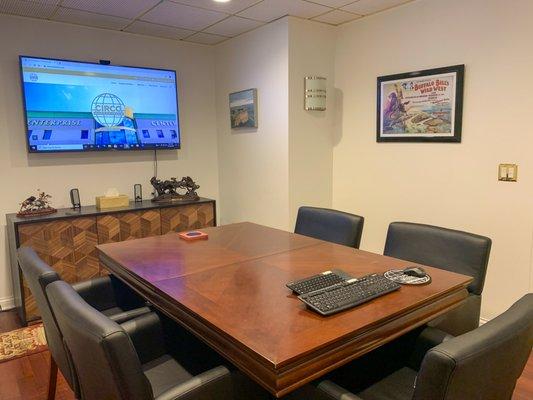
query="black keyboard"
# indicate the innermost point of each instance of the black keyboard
(316, 282)
(348, 294)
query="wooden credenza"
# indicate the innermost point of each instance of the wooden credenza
(67, 239)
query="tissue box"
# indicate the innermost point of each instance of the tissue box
(103, 202)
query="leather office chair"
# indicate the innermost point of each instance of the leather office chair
(482, 364)
(128, 361)
(106, 293)
(330, 225)
(448, 249)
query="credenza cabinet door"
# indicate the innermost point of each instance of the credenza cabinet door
(177, 219)
(68, 246)
(124, 226)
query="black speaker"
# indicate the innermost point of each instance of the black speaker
(75, 198)
(138, 192)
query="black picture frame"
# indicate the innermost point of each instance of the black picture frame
(388, 129)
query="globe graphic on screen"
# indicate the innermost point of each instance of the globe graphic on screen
(108, 109)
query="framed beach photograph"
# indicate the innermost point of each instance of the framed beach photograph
(421, 106)
(243, 109)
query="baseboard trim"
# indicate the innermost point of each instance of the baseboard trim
(483, 320)
(7, 303)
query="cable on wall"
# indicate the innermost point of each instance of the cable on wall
(155, 163)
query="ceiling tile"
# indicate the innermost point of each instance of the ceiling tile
(336, 17)
(182, 16)
(269, 10)
(147, 28)
(86, 18)
(118, 8)
(233, 26)
(28, 8)
(231, 7)
(365, 7)
(333, 3)
(205, 38)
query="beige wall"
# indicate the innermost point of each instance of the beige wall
(266, 173)
(21, 174)
(452, 185)
(311, 53)
(253, 163)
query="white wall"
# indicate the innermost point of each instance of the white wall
(311, 53)
(452, 185)
(267, 173)
(21, 174)
(253, 163)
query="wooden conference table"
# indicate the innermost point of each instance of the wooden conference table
(230, 291)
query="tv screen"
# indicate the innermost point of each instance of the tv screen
(78, 106)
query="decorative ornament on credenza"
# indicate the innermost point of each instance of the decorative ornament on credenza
(34, 206)
(173, 190)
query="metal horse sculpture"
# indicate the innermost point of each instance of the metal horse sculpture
(168, 190)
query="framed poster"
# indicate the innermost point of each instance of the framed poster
(243, 109)
(421, 106)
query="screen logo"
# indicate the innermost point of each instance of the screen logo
(108, 109)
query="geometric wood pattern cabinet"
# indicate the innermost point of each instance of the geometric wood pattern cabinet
(186, 217)
(68, 246)
(67, 240)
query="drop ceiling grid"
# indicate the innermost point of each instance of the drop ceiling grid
(199, 21)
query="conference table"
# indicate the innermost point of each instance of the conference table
(229, 290)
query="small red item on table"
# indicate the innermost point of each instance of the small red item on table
(193, 235)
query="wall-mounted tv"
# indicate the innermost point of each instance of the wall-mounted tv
(79, 106)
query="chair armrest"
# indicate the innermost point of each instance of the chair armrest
(215, 383)
(98, 292)
(124, 316)
(428, 338)
(331, 391)
(146, 334)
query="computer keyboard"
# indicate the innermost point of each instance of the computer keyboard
(316, 282)
(348, 294)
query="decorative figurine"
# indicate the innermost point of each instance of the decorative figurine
(167, 191)
(34, 206)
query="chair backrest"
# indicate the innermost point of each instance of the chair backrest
(448, 249)
(330, 225)
(482, 364)
(103, 355)
(39, 275)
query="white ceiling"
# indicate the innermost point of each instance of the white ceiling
(198, 21)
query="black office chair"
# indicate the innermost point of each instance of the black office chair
(482, 364)
(330, 225)
(129, 361)
(448, 249)
(106, 294)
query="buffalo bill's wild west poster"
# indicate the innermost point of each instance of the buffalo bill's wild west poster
(422, 106)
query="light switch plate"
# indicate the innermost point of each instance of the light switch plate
(508, 172)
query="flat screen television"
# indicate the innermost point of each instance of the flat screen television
(80, 106)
